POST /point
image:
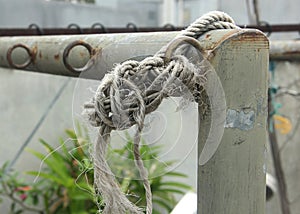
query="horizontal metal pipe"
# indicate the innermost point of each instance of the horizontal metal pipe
(102, 29)
(69, 55)
(285, 50)
(75, 31)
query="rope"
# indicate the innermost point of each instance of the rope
(132, 90)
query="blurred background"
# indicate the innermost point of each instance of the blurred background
(25, 96)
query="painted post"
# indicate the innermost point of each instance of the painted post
(233, 180)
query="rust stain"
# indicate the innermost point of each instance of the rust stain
(250, 36)
(97, 51)
(34, 51)
(291, 52)
(56, 57)
(40, 55)
(80, 41)
(253, 36)
(287, 55)
(240, 36)
(223, 38)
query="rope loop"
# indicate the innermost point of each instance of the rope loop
(136, 88)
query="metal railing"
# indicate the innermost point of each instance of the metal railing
(98, 28)
(239, 57)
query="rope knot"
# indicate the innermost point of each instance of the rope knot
(135, 88)
(127, 68)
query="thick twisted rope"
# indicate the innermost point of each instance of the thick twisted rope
(132, 90)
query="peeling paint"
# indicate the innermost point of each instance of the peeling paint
(240, 119)
(260, 105)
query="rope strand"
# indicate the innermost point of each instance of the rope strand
(132, 90)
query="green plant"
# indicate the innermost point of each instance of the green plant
(163, 191)
(65, 183)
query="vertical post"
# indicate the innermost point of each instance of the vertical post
(180, 9)
(233, 180)
(281, 183)
(168, 12)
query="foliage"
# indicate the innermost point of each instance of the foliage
(65, 184)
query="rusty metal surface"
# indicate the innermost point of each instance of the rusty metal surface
(52, 54)
(67, 51)
(75, 54)
(24, 64)
(285, 50)
(95, 29)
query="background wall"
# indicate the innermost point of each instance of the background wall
(287, 76)
(26, 95)
(16, 13)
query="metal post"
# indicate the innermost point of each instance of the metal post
(233, 181)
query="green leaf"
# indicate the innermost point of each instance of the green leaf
(60, 175)
(55, 163)
(176, 184)
(172, 190)
(78, 128)
(51, 177)
(35, 199)
(82, 192)
(19, 212)
(71, 134)
(166, 196)
(176, 174)
(46, 145)
(78, 207)
(163, 204)
(54, 153)
(64, 149)
(155, 211)
(12, 206)
(3, 168)
(81, 197)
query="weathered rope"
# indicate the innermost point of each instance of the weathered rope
(134, 89)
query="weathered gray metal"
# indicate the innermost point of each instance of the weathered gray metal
(46, 53)
(233, 181)
(285, 50)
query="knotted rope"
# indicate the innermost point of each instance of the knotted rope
(132, 90)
